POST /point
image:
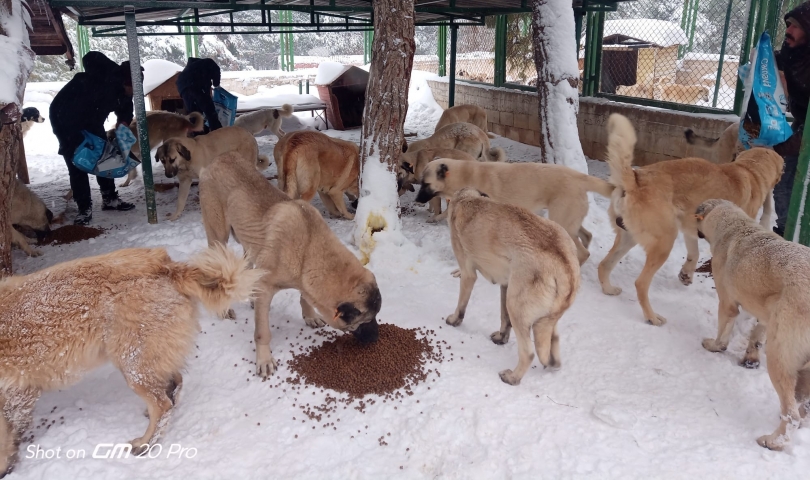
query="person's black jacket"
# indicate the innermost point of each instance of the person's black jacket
(86, 101)
(199, 74)
(795, 63)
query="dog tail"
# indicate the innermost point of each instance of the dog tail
(197, 121)
(694, 139)
(594, 184)
(216, 277)
(262, 162)
(286, 110)
(491, 135)
(621, 141)
(496, 154)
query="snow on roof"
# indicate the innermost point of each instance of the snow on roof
(659, 32)
(274, 98)
(157, 71)
(329, 71)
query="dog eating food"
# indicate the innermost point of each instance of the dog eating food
(70, 234)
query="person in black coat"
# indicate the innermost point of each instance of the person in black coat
(84, 104)
(194, 84)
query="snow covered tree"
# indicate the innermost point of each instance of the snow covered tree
(555, 58)
(18, 60)
(383, 133)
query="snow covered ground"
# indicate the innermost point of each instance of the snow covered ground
(631, 400)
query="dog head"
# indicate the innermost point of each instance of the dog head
(358, 309)
(405, 176)
(31, 114)
(174, 156)
(433, 180)
(706, 221)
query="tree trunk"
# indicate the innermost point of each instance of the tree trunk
(555, 57)
(382, 135)
(10, 138)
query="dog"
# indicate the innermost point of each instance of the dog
(161, 127)
(28, 210)
(533, 186)
(652, 203)
(531, 258)
(312, 162)
(30, 116)
(756, 269)
(727, 146)
(291, 241)
(464, 114)
(412, 165)
(266, 118)
(673, 92)
(461, 136)
(636, 90)
(63, 321)
(185, 157)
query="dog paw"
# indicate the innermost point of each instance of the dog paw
(749, 363)
(685, 278)
(507, 376)
(265, 363)
(139, 447)
(433, 219)
(657, 320)
(172, 216)
(34, 253)
(314, 322)
(348, 216)
(611, 290)
(229, 315)
(456, 273)
(711, 345)
(772, 442)
(454, 319)
(498, 338)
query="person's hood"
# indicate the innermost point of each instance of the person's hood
(801, 15)
(96, 63)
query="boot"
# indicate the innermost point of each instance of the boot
(84, 217)
(112, 202)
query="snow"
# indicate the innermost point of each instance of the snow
(275, 97)
(630, 401)
(329, 71)
(715, 57)
(16, 56)
(157, 71)
(659, 32)
(377, 217)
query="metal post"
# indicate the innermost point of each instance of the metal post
(600, 35)
(745, 54)
(140, 115)
(307, 85)
(290, 43)
(300, 88)
(500, 51)
(442, 50)
(586, 63)
(451, 94)
(722, 54)
(797, 227)
(84, 44)
(692, 25)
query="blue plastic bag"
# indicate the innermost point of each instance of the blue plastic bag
(99, 157)
(763, 122)
(225, 104)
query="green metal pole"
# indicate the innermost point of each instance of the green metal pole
(600, 34)
(745, 54)
(291, 43)
(684, 23)
(84, 44)
(586, 63)
(442, 50)
(451, 94)
(189, 47)
(797, 227)
(500, 51)
(140, 115)
(692, 25)
(762, 15)
(722, 55)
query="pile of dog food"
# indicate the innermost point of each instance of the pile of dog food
(71, 234)
(706, 267)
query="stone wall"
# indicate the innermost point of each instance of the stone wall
(513, 114)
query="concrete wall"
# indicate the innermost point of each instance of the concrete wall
(513, 114)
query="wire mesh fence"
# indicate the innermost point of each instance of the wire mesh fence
(520, 68)
(684, 52)
(475, 53)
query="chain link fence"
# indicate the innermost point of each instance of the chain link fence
(475, 53)
(684, 52)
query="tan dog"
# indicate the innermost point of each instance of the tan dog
(637, 90)
(533, 261)
(652, 203)
(464, 114)
(673, 92)
(310, 162)
(161, 126)
(59, 323)
(728, 145)
(756, 269)
(413, 164)
(461, 136)
(266, 118)
(28, 210)
(533, 186)
(185, 157)
(290, 240)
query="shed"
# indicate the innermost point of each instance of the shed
(343, 89)
(160, 87)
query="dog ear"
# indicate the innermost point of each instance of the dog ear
(410, 188)
(407, 167)
(441, 173)
(483, 194)
(183, 152)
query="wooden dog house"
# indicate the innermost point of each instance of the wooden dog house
(166, 96)
(345, 98)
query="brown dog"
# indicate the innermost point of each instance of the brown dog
(756, 269)
(650, 204)
(464, 114)
(310, 162)
(266, 118)
(185, 157)
(412, 164)
(28, 210)
(531, 258)
(58, 323)
(291, 241)
(462, 136)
